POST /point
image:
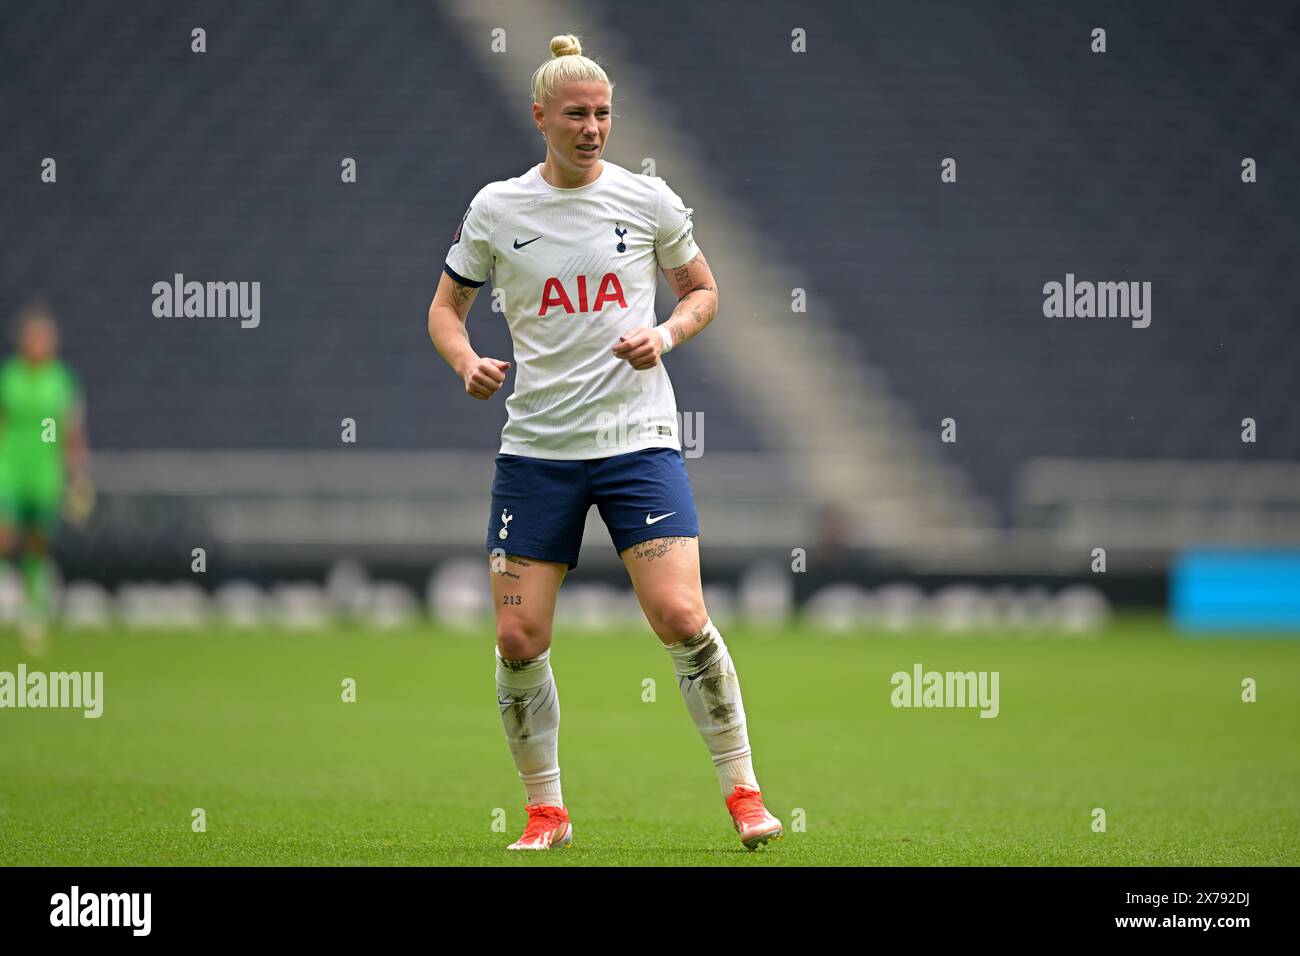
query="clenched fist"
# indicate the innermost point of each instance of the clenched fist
(484, 377)
(640, 348)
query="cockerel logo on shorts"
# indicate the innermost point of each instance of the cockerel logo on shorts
(506, 518)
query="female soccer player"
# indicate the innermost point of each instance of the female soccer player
(41, 439)
(572, 245)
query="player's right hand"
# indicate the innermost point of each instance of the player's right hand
(484, 377)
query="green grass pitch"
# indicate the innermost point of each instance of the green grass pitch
(251, 727)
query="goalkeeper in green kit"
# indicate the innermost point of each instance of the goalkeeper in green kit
(41, 438)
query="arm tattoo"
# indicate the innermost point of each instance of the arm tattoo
(682, 275)
(699, 312)
(460, 294)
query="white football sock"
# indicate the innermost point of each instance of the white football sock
(530, 713)
(709, 686)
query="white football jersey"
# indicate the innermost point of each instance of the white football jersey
(576, 269)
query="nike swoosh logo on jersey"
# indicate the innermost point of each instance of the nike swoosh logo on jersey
(520, 245)
(649, 520)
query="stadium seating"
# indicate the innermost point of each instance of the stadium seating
(225, 165)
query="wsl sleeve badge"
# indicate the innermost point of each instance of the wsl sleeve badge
(456, 238)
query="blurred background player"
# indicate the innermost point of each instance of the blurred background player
(42, 438)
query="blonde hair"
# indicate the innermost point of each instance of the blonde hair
(566, 65)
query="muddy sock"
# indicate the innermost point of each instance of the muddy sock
(709, 686)
(530, 713)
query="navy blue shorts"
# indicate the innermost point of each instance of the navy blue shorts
(539, 505)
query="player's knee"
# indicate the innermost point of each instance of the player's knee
(521, 640)
(682, 619)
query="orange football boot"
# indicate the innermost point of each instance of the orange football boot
(548, 827)
(754, 824)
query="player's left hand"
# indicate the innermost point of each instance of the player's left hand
(640, 347)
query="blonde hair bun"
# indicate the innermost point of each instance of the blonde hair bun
(566, 65)
(566, 44)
